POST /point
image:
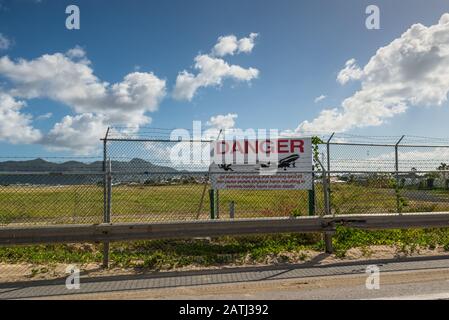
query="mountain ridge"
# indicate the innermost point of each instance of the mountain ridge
(41, 165)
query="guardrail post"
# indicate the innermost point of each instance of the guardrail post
(329, 248)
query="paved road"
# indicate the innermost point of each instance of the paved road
(414, 278)
(424, 195)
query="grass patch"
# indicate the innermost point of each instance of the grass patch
(407, 241)
(84, 203)
(42, 254)
(170, 254)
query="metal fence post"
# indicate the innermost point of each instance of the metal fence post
(107, 215)
(106, 197)
(396, 167)
(231, 209)
(312, 199)
(327, 234)
(328, 162)
(217, 204)
(105, 155)
(207, 178)
(109, 194)
(212, 204)
(326, 195)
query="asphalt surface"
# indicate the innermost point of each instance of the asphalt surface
(413, 278)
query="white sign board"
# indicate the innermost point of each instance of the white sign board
(284, 163)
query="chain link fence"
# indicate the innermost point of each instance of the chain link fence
(135, 180)
(58, 190)
(381, 174)
(363, 175)
(386, 173)
(51, 198)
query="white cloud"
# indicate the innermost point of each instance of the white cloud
(44, 116)
(419, 158)
(320, 98)
(15, 126)
(247, 44)
(76, 52)
(231, 45)
(77, 133)
(351, 71)
(222, 121)
(225, 45)
(417, 154)
(68, 78)
(5, 43)
(73, 83)
(413, 70)
(212, 70)
(53, 76)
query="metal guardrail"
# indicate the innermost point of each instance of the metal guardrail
(212, 228)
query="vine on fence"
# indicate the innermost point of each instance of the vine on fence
(316, 141)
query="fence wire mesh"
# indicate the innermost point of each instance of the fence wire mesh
(56, 190)
(51, 198)
(363, 175)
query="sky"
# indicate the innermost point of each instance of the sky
(296, 66)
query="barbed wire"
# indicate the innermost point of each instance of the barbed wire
(124, 132)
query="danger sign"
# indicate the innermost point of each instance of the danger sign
(262, 164)
(263, 146)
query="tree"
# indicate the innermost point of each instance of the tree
(431, 176)
(413, 175)
(444, 167)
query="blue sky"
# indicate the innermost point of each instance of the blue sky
(299, 51)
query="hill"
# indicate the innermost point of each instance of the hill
(136, 169)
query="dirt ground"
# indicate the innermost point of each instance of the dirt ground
(31, 272)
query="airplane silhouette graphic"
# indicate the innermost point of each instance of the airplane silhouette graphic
(285, 163)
